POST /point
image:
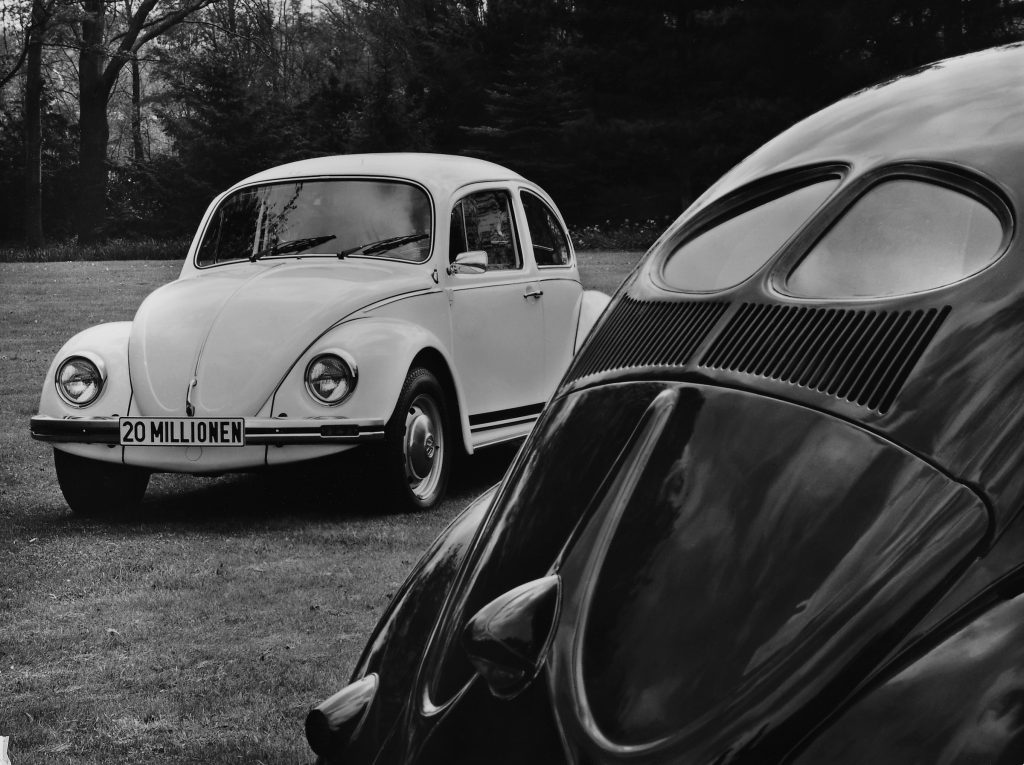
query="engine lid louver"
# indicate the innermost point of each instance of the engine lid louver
(647, 333)
(861, 356)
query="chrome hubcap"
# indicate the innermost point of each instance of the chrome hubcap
(424, 446)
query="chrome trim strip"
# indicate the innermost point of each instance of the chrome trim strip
(504, 424)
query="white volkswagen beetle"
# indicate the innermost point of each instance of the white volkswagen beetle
(415, 303)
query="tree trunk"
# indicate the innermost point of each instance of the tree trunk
(93, 128)
(138, 150)
(33, 129)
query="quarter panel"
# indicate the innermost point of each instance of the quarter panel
(591, 305)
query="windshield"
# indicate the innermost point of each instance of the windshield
(346, 217)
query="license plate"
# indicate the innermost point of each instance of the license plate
(181, 431)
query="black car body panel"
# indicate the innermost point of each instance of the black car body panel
(715, 484)
(782, 500)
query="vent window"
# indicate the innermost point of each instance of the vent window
(903, 235)
(732, 251)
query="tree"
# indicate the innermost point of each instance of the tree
(42, 15)
(102, 56)
(33, 125)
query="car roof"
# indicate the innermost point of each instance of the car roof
(442, 174)
(967, 111)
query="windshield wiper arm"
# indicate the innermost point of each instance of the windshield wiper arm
(292, 245)
(383, 245)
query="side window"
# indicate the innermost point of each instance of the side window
(487, 226)
(550, 244)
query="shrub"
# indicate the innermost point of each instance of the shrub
(112, 249)
(621, 235)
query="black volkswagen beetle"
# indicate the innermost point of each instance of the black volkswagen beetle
(771, 515)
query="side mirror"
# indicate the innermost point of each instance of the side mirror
(508, 639)
(472, 262)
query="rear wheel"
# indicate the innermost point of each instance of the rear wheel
(417, 450)
(99, 489)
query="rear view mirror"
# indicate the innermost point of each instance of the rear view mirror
(472, 262)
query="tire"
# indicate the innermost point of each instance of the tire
(95, 489)
(418, 448)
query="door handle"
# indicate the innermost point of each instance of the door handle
(533, 294)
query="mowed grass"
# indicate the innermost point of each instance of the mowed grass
(203, 630)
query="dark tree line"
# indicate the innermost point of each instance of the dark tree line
(620, 109)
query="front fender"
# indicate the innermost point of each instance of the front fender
(592, 305)
(383, 349)
(110, 343)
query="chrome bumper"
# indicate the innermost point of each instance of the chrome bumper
(258, 432)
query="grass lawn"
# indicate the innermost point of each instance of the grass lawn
(203, 631)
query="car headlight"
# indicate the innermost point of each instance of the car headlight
(331, 378)
(80, 380)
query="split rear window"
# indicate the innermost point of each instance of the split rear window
(903, 235)
(732, 251)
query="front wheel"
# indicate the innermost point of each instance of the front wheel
(417, 452)
(99, 489)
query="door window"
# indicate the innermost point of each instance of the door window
(550, 244)
(483, 221)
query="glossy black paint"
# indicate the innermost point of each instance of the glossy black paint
(331, 724)
(507, 640)
(753, 569)
(962, 702)
(746, 640)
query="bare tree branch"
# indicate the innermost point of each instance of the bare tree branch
(141, 30)
(169, 20)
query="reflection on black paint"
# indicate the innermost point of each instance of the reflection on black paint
(763, 551)
(546, 495)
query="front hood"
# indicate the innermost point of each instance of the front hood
(238, 329)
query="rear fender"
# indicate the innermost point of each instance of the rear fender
(961, 702)
(592, 305)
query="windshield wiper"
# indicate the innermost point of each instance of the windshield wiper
(292, 245)
(383, 245)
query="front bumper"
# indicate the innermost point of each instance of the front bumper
(322, 431)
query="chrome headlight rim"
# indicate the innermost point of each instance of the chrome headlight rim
(101, 370)
(347, 361)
